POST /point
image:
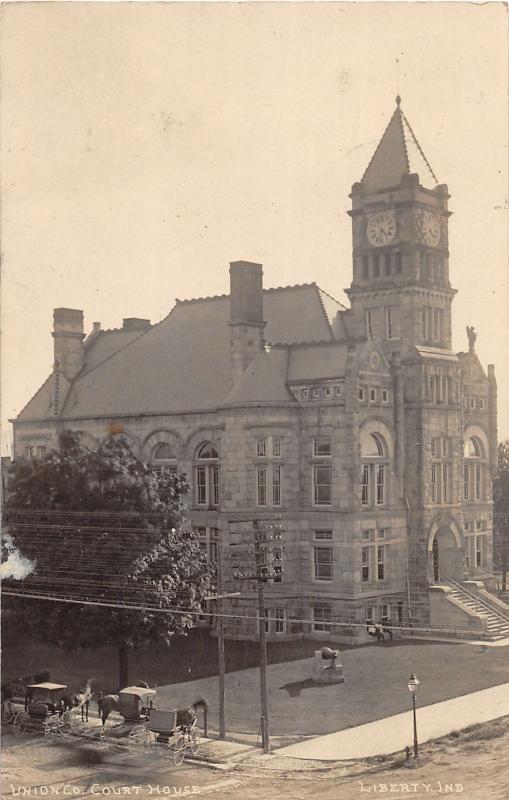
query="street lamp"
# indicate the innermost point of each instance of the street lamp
(413, 685)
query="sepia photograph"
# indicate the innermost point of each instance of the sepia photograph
(254, 399)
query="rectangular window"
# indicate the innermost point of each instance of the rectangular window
(436, 325)
(382, 533)
(424, 324)
(322, 617)
(365, 484)
(392, 319)
(322, 446)
(276, 485)
(201, 485)
(261, 447)
(279, 620)
(215, 485)
(432, 390)
(445, 483)
(435, 447)
(369, 614)
(380, 563)
(261, 483)
(434, 486)
(372, 395)
(444, 391)
(316, 392)
(365, 564)
(472, 403)
(276, 447)
(322, 535)
(322, 480)
(323, 563)
(478, 551)
(367, 536)
(466, 482)
(305, 394)
(369, 323)
(482, 404)
(478, 482)
(385, 396)
(361, 394)
(380, 484)
(386, 612)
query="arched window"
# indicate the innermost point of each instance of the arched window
(163, 459)
(374, 469)
(474, 466)
(207, 475)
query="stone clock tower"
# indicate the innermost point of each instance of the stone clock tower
(401, 296)
(400, 292)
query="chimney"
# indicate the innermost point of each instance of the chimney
(68, 341)
(246, 314)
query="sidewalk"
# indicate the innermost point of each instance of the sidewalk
(394, 733)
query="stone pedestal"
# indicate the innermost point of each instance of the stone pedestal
(327, 671)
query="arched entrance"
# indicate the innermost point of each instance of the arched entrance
(445, 556)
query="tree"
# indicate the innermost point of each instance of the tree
(501, 512)
(101, 526)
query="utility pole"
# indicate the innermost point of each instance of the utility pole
(219, 597)
(220, 645)
(264, 705)
(267, 565)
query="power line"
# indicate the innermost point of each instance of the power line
(55, 597)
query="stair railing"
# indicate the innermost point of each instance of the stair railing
(480, 602)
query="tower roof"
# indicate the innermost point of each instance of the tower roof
(398, 153)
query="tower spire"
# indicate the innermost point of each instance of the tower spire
(398, 153)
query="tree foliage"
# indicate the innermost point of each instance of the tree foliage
(101, 525)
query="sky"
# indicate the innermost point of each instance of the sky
(145, 146)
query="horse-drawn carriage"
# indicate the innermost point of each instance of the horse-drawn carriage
(175, 729)
(49, 708)
(45, 712)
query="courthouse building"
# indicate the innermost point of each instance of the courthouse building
(374, 441)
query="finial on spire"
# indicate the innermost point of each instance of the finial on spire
(398, 100)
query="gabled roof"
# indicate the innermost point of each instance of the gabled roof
(183, 363)
(398, 153)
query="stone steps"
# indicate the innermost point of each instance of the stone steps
(496, 625)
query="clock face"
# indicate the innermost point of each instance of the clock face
(430, 228)
(381, 228)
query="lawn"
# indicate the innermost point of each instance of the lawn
(375, 677)
(375, 686)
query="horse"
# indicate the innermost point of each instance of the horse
(106, 704)
(80, 698)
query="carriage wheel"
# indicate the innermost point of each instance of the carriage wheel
(66, 726)
(179, 749)
(195, 740)
(139, 735)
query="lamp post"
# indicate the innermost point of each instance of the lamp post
(413, 685)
